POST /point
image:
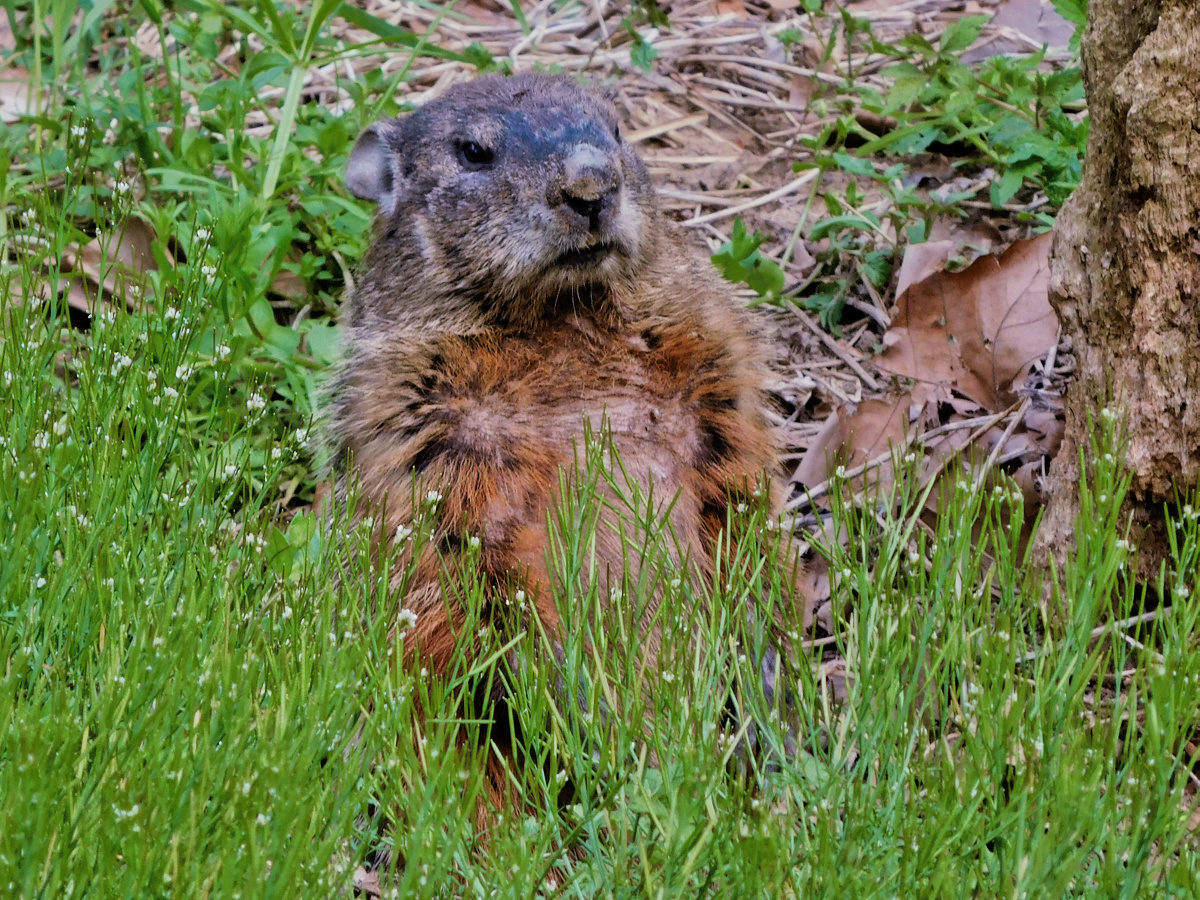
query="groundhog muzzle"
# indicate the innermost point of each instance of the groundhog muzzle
(521, 283)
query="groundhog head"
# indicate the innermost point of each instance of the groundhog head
(516, 188)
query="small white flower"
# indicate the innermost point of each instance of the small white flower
(256, 401)
(41, 582)
(262, 819)
(230, 470)
(122, 187)
(170, 393)
(403, 532)
(221, 351)
(668, 677)
(433, 498)
(287, 612)
(741, 508)
(203, 234)
(406, 620)
(171, 313)
(183, 372)
(41, 440)
(840, 472)
(79, 131)
(208, 271)
(473, 542)
(276, 453)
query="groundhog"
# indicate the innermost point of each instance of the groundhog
(521, 282)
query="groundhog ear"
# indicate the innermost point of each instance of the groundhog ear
(371, 172)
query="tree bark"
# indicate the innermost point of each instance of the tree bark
(1125, 264)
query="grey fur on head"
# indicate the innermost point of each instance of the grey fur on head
(514, 190)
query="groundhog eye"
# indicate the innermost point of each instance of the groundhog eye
(474, 154)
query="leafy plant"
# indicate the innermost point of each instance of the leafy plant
(1007, 116)
(1007, 111)
(740, 260)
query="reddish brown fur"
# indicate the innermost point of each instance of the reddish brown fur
(476, 368)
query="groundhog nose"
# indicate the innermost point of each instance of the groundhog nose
(591, 182)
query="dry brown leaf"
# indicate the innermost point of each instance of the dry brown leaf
(121, 261)
(833, 675)
(288, 284)
(851, 437)
(976, 330)
(922, 261)
(821, 456)
(1021, 26)
(876, 427)
(15, 100)
(815, 581)
(1046, 429)
(938, 452)
(15, 82)
(1027, 476)
(367, 883)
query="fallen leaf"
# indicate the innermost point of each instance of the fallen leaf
(15, 100)
(113, 266)
(1046, 428)
(856, 435)
(875, 427)
(1021, 26)
(821, 456)
(288, 284)
(922, 261)
(367, 883)
(976, 330)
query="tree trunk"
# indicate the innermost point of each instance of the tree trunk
(1125, 264)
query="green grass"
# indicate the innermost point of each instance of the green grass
(198, 697)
